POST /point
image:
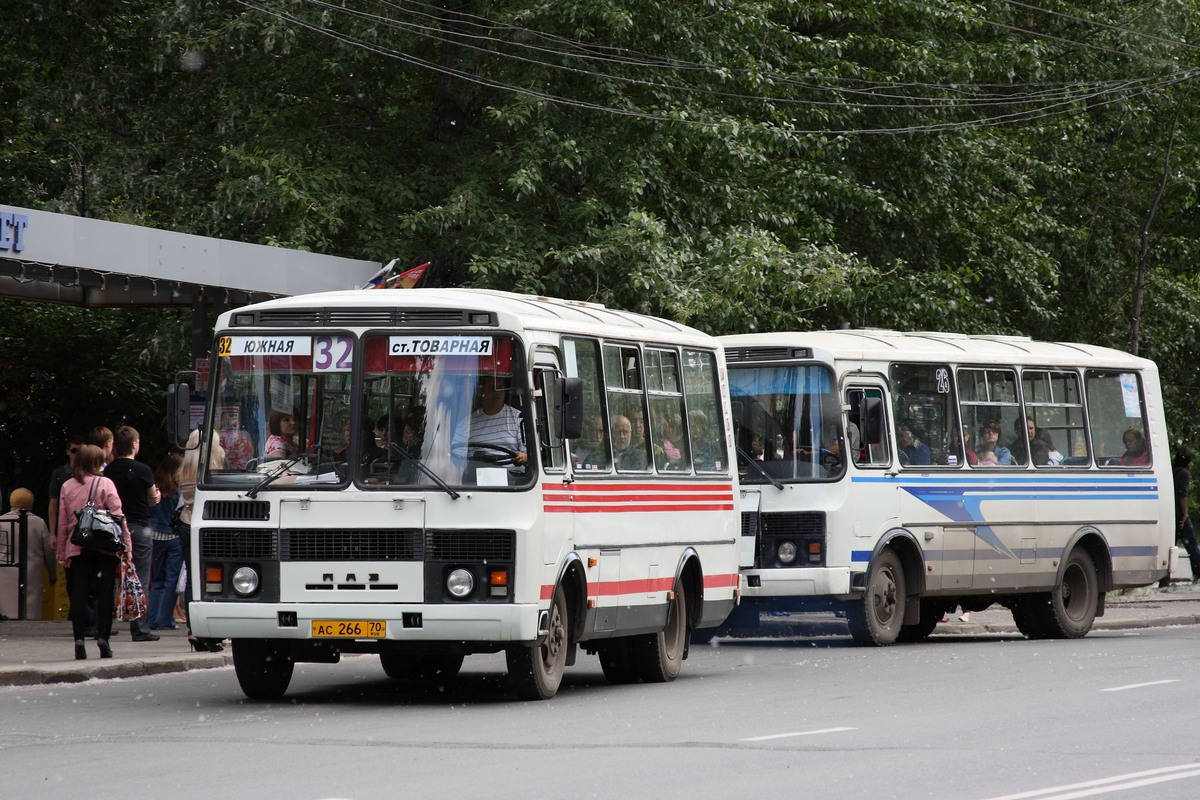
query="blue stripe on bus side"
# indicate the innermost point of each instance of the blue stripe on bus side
(959, 499)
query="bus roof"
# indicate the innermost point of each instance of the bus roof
(361, 308)
(868, 344)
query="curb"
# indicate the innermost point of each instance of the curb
(130, 668)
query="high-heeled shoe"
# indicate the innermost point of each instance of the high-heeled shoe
(205, 645)
(80, 650)
(105, 650)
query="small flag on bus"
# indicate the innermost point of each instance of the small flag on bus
(405, 280)
(376, 280)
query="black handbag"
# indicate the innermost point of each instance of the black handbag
(97, 528)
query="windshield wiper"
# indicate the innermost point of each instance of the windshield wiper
(445, 487)
(270, 477)
(753, 461)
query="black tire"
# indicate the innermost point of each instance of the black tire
(1071, 607)
(1027, 616)
(876, 621)
(536, 672)
(424, 667)
(931, 614)
(658, 657)
(263, 667)
(616, 659)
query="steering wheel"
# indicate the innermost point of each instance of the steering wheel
(829, 459)
(500, 455)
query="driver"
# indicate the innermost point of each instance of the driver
(496, 422)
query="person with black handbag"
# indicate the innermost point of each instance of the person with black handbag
(94, 570)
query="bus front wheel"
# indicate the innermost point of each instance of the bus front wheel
(263, 667)
(536, 672)
(877, 620)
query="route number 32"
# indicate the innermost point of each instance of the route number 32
(333, 353)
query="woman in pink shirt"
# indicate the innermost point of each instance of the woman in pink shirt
(92, 573)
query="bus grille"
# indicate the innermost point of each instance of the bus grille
(470, 545)
(237, 510)
(234, 544)
(350, 544)
(358, 544)
(804, 529)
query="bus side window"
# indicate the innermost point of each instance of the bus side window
(590, 452)
(866, 427)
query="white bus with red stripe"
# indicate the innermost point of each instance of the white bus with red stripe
(426, 474)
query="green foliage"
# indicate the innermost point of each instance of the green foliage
(978, 166)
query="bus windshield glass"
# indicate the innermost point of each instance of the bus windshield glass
(787, 421)
(426, 410)
(446, 407)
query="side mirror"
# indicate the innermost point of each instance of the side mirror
(179, 413)
(568, 407)
(870, 415)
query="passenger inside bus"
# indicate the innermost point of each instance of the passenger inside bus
(913, 452)
(239, 447)
(989, 438)
(1021, 451)
(591, 453)
(282, 441)
(1136, 454)
(626, 455)
(410, 444)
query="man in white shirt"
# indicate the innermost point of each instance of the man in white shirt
(496, 422)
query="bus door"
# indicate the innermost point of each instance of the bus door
(558, 533)
(874, 505)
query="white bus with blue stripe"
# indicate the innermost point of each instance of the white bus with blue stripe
(894, 477)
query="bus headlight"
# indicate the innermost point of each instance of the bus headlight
(245, 581)
(460, 583)
(786, 552)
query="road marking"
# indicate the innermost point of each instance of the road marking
(1138, 685)
(797, 733)
(1116, 783)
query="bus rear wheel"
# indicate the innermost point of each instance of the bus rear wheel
(263, 667)
(658, 657)
(878, 619)
(536, 672)
(1071, 607)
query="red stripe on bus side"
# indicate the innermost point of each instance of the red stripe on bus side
(645, 586)
(721, 581)
(634, 498)
(608, 488)
(629, 508)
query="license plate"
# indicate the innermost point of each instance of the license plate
(349, 629)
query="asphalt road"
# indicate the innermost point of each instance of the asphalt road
(970, 717)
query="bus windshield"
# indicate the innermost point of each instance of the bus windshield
(426, 410)
(788, 423)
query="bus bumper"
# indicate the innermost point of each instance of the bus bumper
(805, 582)
(482, 622)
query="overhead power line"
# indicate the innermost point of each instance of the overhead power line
(999, 104)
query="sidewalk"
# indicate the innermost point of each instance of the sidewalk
(35, 652)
